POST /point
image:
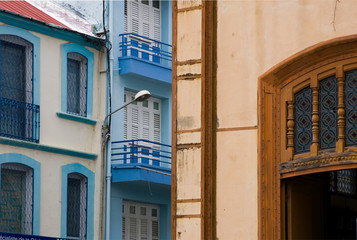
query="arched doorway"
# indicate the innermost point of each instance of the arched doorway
(307, 133)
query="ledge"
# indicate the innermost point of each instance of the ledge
(140, 172)
(76, 118)
(46, 148)
(144, 68)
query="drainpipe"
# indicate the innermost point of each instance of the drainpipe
(109, 160)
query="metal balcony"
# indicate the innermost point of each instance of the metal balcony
(145, 57)
(141, 159)
(19, 120)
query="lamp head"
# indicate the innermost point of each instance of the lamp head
(142, 95)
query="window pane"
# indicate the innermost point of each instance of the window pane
(76, 84)
(12, 64)
(351, 107)
(154, 212)
(302, 116)
(16, 199)
(156, 4)
(145, 103)
(156, 105)
(73, 207)
(146, 2)
(76, 206)
(328, 100)
(73, 86)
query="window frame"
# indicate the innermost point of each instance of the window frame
(83, 190)
(36, 193)
(65, 49)
(85, 172)
(126, 214)
(28, 202)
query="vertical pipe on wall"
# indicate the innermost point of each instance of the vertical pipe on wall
(108, 149)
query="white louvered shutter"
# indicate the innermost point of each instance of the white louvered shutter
(143, 120)
(156, 24)
(142, 223)
(141, 17)
(134, 17)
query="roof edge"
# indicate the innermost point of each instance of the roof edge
(31, 24)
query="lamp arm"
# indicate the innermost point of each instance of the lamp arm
(106, 117)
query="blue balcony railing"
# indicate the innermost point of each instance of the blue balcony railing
(141, 152)
(19, 120)
(147, 49)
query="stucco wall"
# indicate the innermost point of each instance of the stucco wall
(59, 135)
(252, 37)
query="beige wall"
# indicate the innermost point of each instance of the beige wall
(65, 134)
(252, 37)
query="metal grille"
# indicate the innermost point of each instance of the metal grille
(302, 116)
(77, 84)
(16, 198)
(19, 117)
(351, 107)
(76, 206)
(343, 181)
(328, 100)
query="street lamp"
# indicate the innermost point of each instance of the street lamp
(139, 97)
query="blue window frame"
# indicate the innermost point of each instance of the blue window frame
(77, 82)
(19, 84)
(21, 170)
(77, 208)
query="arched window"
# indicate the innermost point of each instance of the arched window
(308, 136)
(19, 117)
(76, 84)
(76, 206)
(16, 198)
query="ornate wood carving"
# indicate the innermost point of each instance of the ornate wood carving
(315, 121)
(290, 128)
(340, 145)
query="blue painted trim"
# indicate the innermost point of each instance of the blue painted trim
(78, 168)
(46, 148)
(51, 30)
(36, 166)
(4, 29)
(76, 118)
(127, 174)
(143, 68)
(65, 49)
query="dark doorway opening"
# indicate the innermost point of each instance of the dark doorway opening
(321, 206)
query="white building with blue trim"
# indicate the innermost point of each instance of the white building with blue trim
(139, 151)
(52, 104)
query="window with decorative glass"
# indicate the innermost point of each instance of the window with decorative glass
(16, 198)
(320, 113)
(76, 206)
(76, 84)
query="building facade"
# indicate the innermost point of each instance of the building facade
(139, 151)
(263, 123)
(52, 104)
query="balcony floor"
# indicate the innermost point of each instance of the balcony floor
(140, 172)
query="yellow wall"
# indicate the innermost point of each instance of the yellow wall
(252, 37)
(65, 134)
